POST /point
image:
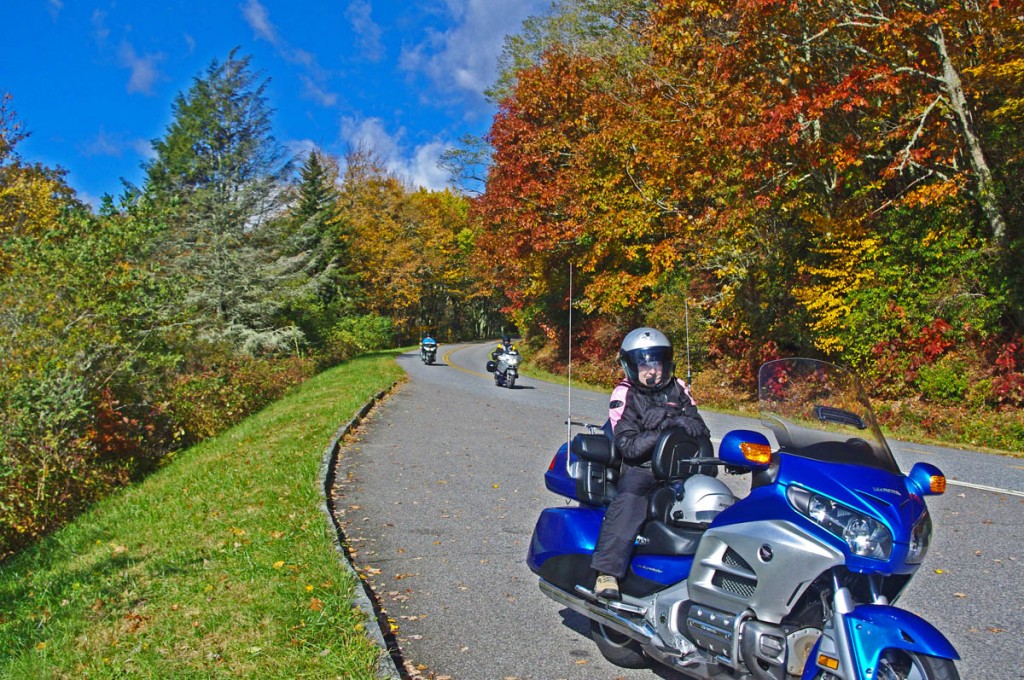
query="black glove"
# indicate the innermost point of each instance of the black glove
(653, 417)
(694, 427)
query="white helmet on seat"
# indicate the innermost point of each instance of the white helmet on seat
(699, 501)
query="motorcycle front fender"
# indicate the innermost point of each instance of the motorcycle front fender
(872, 629)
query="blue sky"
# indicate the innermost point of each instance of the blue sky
(94, 82)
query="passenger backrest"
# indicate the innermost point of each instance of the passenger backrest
(597, 468)
(673, 453)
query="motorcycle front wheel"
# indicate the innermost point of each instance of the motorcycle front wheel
(619, 649)
(510, 382)
(899, 664)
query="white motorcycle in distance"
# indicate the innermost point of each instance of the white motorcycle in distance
(505, 368)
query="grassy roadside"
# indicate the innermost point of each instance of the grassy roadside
(219, 565)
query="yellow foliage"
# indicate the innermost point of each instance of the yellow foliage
(827, 291)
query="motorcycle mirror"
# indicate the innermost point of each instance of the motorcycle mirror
(927, 480)
(745, 448)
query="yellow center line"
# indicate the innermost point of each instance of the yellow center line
(448, 360)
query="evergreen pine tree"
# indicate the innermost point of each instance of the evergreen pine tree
(217, 180)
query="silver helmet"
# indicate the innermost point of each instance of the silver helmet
(645, 345)
(699, 501)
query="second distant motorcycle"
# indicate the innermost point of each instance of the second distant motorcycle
(505, 367)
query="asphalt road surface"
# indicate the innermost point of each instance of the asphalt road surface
(439, 492)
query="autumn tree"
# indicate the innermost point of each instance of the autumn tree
(776, 163)
(410, 251)
(83, 331)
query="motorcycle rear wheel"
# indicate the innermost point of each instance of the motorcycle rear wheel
(898, 664)
(619, 649)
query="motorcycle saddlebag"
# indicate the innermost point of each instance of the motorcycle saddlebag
(491, 365)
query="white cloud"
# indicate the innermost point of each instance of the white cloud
(103, 144)
(311, 90)
(314, 83)
(465, 57)
(425, 171)
(369, 133)
(144, 71)
(116, 145)
(367, 31)
(144, 148)
(416, 167)
(54, 7)
(259, 20)
(99, 27)
(300, 148)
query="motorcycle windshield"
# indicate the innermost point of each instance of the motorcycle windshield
(818, 410)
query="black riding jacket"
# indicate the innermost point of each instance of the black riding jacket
(638, 417)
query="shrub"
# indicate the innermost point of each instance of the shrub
(943, 382)
(354, 335)
(207, 402)
(47, 470)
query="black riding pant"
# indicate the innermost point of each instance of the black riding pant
(622, 521)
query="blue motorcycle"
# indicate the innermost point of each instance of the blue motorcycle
(796, 580)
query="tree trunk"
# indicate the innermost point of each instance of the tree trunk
(986, 186)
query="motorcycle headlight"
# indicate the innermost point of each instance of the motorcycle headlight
(865, 536)
(920, 539)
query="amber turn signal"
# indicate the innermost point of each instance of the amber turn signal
(828, 662)
(756, 453)
(937, 484)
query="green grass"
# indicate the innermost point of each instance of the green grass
(220, 565)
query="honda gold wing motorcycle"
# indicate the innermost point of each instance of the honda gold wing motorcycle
(797, 579)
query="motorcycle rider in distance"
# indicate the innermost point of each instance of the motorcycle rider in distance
(649, 400)
(425, 343)
(505, 346)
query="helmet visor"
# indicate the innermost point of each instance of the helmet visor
(650, 367)
(651, 357)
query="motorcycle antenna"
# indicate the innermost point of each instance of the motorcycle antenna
(689, 373)
(568, 415)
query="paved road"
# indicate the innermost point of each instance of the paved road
(439, 494)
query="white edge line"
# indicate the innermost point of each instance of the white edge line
(982, 487)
